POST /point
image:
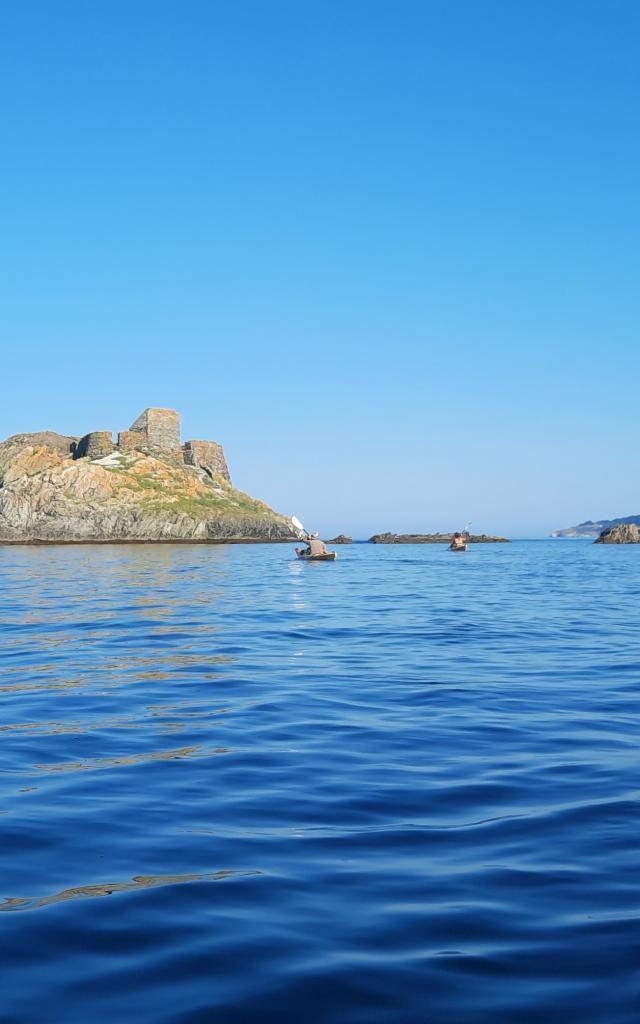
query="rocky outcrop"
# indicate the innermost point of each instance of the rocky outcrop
(47, 438)
(433, 538)
(47, 495)
(624, 533)
(340, 539)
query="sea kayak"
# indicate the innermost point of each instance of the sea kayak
(463, 547)
(329, 557)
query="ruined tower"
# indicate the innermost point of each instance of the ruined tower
(155, 428)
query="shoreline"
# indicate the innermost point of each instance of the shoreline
(134, 540)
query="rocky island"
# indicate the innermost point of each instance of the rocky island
(147, 486)
(622, 533)
(434, 538)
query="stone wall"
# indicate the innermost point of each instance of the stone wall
(94, 445)
(161, 428)
(207, 455)
(129, 440)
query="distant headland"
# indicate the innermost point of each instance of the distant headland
(146, 486)
(595, 529)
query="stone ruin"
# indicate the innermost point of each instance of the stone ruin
(207, 455)
(160, 429)
(157, 432)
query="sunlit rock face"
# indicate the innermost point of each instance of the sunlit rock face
(57, 488)
(624, 533)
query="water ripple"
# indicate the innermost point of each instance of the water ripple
(420, 773)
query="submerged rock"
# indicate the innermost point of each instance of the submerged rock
(623, 533)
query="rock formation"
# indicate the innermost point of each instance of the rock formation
(433, 538)
(340, 539)
(623, 533)
(147, 487)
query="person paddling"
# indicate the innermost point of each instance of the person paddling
(458, 542)
(316, 546)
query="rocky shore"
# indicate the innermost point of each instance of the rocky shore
(139, 491)
(433, 538)
(624, 533)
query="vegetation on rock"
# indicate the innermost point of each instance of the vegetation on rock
(47, 495)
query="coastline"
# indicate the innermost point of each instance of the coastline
(206, 542)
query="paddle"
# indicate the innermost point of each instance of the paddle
(299, 528)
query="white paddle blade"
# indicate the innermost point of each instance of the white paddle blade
(298, 525)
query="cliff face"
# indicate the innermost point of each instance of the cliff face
(48, 495)
(624, 533)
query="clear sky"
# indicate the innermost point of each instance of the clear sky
(385, 252)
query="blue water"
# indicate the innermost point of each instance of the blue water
(401, 787)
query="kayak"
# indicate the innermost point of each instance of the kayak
(329, 557)
(463, 547)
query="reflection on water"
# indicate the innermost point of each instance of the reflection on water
(427, 808)
(131, 759)
(139, 882)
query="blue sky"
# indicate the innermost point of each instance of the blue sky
(386, 253)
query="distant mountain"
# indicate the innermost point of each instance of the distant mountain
(591, 529)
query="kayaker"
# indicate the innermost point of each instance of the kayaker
(458, 542)
(317, 546)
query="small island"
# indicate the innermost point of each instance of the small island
(623, 533)
(147, 486)
(434, 538)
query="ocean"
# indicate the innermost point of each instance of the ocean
(401, 787)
